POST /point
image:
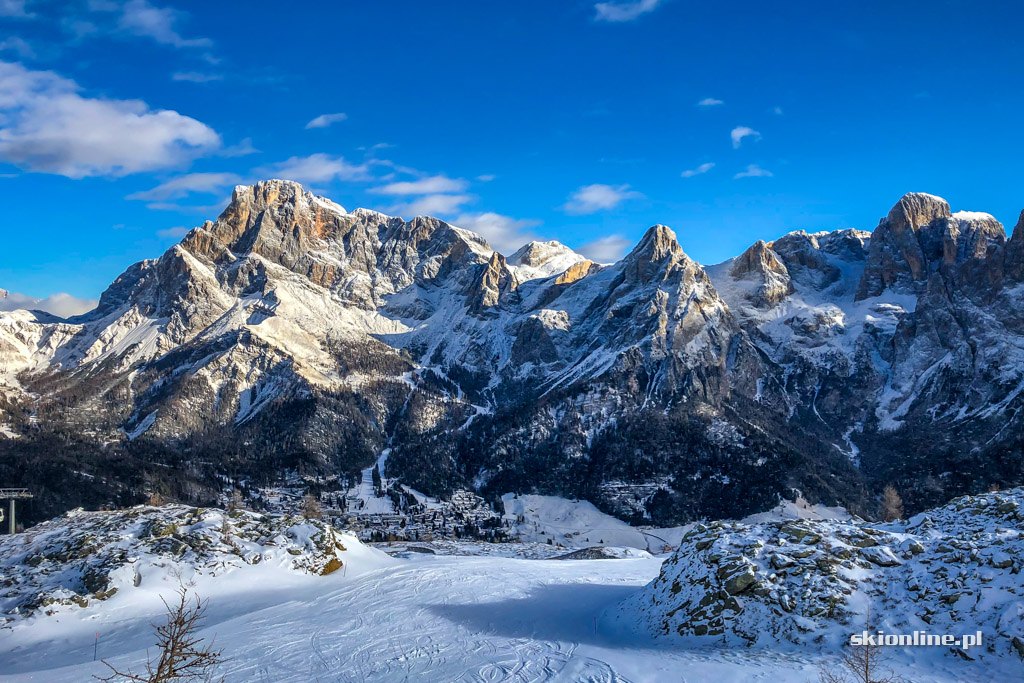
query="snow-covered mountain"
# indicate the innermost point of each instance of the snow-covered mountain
(290, 333)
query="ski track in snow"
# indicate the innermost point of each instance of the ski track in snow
(428, 619)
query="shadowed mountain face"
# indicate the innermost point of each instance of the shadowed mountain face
(290, 334)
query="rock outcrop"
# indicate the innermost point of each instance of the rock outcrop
(950, 570)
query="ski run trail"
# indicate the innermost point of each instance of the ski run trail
(417, 617)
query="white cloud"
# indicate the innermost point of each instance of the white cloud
(597, 197)
(739, 132)
(624, 11)
(703, 168)
(504, 233)
(48, 127)
(18, 46)
(14, 9)
(325, 120)
(433, 205)
(606, 249)
(709, 102)
(753, 171)
(181, 186)
(140, 18)
(195, 77)
(177, 232)
(428, 185)
(60, 304)
(486, 177)
(315, 168)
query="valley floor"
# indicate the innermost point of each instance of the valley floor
(424, 618)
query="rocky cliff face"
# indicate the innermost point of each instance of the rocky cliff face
(290, 333)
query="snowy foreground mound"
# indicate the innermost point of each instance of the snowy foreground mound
(84, 558)
(955, 570)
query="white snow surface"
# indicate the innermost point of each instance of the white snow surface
(569, 523)
(797, 509)
(478, 616)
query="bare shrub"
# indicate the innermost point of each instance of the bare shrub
(183, 656)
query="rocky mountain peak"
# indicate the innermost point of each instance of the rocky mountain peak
(920, 236)
(758, 258)
(658, 242)
(539, 259)
(494, 283)
(760, 263)
(655, 256)
(276, 219)
(916, 209)
(537, 253)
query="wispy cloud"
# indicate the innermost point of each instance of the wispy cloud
(703, 168)
(325, 120)
(184, 185)
(504, 233)
(79, 28)
(598, 197)
(205, 210)
(315, 168)
(195, 77)
(15, 9)
(433, 205)
(740, 132)
(18, 46)
(624, 11)
(177, 232)
(243, 148)
(428, 185)
(753, 171)
(709, 102)
(50, 128)
(605, 249)
(486, 177)
(140, 18)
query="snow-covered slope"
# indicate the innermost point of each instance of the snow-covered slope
(573, 524)
(437, 618)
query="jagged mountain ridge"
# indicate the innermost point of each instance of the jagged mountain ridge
(290, 332)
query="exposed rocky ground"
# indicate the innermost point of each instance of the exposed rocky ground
(293, 335)
(952, 570)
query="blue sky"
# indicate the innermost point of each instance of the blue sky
(122, 124)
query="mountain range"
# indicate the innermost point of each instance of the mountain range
(291, 335)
